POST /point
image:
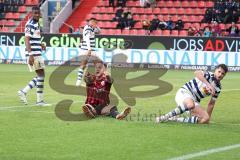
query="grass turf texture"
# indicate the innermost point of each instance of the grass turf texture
(30, 132)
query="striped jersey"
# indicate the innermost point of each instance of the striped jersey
(200, 90)
(88, 42)
(32, 30)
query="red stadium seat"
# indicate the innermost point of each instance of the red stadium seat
(177, 4)
(96, 10)
(157, 32)
(201, 4)
(107, 17)
(166, 32)
(144, 16)
(156, 10)
(35, 2)
(209, 4)
(180, 11)
(89, 16)
(10, 23)
(142, 32)
(222, 26)
(193, 4)
(150, 17)
(136, 17)
(138, 25)
(110, 24)
(204, 25)
(101, 24)
(131, 3)
(164, 11)
(148, 11)
(197, 25)
(174, 33)
(133, 32)
(9, 15)
(172, 11)
(194, 18)
(125, 31)
(98, 16)
(169, 4)
(189, 11)
(104, 31)
(183, 33)
(5, 29)
(175, 18)
(22, 9)
(140, 10)
(185, 3)
(198, 11)
(161, 3)
(187, 25)
(185, 18)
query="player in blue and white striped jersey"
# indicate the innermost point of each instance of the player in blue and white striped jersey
(189, 96)
(88, 45)
(35, 61)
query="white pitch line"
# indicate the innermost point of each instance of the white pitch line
(205, 153)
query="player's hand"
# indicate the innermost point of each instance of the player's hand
(43, 46)
(89, 52)
(212, 89)
(31, 60)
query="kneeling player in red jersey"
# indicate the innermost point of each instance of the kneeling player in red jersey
(98, 87)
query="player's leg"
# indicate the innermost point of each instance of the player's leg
(185, 103)
(89, 111)
(39, 69)
(23, 92)
(113, 112)
(84, 60)
(197, 115)
(201, 114)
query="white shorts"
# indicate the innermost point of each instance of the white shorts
(182, 94)
(38, 63)
(91, 58)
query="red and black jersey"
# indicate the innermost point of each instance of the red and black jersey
(98, 90)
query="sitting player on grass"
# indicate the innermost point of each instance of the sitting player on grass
(98, 90)
(188, 97)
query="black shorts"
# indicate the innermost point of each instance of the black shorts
(98, 108)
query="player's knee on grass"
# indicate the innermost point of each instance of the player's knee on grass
(204, 119)
(189, 104)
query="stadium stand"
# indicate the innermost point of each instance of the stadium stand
(190, 11)
(13, 13)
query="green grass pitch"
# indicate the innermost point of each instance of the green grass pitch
(30, 132)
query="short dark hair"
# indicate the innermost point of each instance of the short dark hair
(92, 19)
(223, 66)
(35, 8)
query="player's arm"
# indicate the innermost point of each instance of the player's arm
(97, 30)
(210, 107)
(88, 79)
(200, 75)
(28, 34)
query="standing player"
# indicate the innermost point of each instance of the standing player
(188, 97)
(34, 49)
(98, 90)
(88, 45)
